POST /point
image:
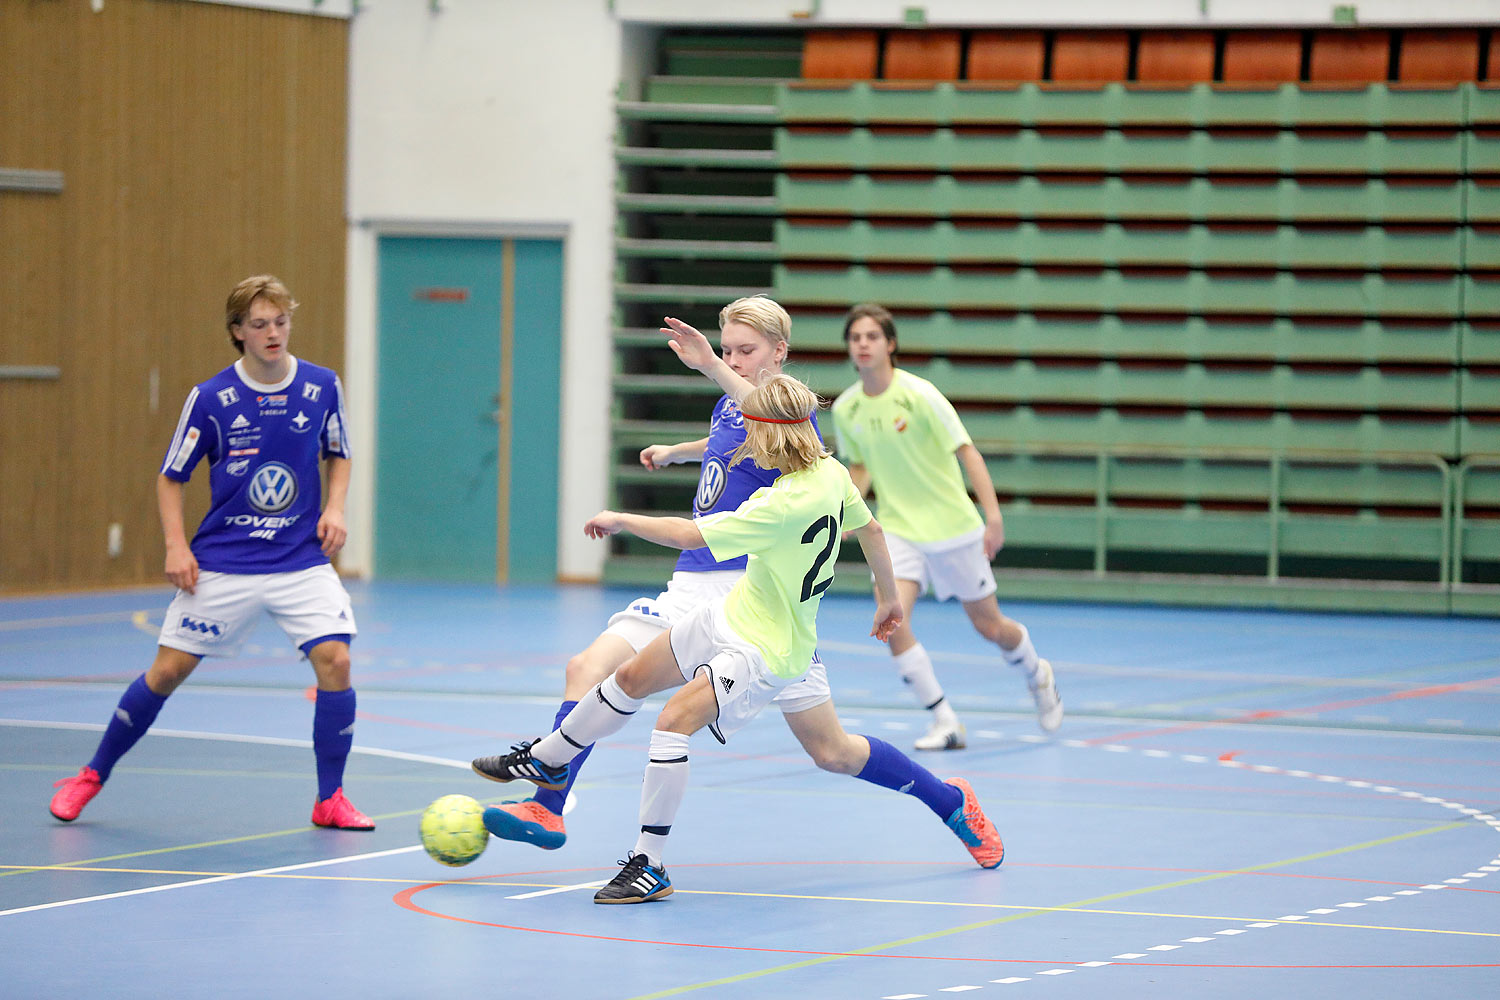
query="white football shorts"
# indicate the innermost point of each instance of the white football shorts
(742, 682)
(213, 621)
(645, 619)
(954, 567)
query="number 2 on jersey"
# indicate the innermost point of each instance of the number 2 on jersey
(826, 522)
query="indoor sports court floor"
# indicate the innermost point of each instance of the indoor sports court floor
(1240, 804)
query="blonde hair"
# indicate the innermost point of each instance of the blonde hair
(762, 314)
(260, 286)
(792, 446)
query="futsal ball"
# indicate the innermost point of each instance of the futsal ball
(453, 830)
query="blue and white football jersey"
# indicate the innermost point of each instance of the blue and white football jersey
(264, 445)
(722, 487)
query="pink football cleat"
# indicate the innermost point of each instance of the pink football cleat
(339, 813)
(74, 793)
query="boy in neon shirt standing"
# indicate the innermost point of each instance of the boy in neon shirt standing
(898, 434)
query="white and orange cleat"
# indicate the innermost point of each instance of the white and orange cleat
(974, 828)
(527, 821)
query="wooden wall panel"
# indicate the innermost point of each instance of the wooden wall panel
(199, 144)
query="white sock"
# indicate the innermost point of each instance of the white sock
(915, 667)
(1023, 656)
(661, 792)
(600, 713)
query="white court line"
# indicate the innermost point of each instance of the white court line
(561, 888)
(275, 741)
(211, 880)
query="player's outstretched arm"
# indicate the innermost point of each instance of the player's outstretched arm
(181, 565)
(657, 456)
(888, 613)
(673, 532)
(984, 488)
(331, 528)
(699, 355)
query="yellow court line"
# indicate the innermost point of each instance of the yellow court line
(1078, 905)
(191, 847)
(1027, 909)
(140, 621)
(1080, 908)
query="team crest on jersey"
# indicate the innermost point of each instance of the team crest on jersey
(301, 422)
(228, 396)
(711, 483)
(730, 415)
(310, 391)
(900, 424)
(272, 489)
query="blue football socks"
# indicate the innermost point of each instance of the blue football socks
(890, 768)
(333, 735)
(552, 799)
(133, 716)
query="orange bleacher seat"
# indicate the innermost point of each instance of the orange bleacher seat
(840, 55)
(1439, 56)
(1012, 56)
(1090, 56)
(1175, 57)
(922, 55)
(1262, 57)
(1350, 57)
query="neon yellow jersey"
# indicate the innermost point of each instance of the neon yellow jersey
(791, 531)
(906, 438)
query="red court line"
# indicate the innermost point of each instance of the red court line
(1264, 714)
(404, 899)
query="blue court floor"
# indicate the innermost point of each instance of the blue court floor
(1240, 804)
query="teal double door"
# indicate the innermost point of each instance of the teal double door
(468, 381)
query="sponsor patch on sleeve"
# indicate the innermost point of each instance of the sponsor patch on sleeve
(185, 449)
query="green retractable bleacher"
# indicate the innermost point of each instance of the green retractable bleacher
(1235, 344)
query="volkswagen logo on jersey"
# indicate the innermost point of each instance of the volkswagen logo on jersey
(711, 483)
(272, 489)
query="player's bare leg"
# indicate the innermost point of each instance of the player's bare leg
(871, 759)
(1015, 646)
(945, 731)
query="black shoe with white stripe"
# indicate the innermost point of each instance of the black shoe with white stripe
(518, 764)
(638, 882)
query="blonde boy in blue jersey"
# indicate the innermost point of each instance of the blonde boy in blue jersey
(731, 657)
(902, 437)
(264, 425)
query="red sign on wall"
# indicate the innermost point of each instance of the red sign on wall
(441, 294)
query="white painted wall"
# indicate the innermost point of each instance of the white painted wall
(495, 116)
